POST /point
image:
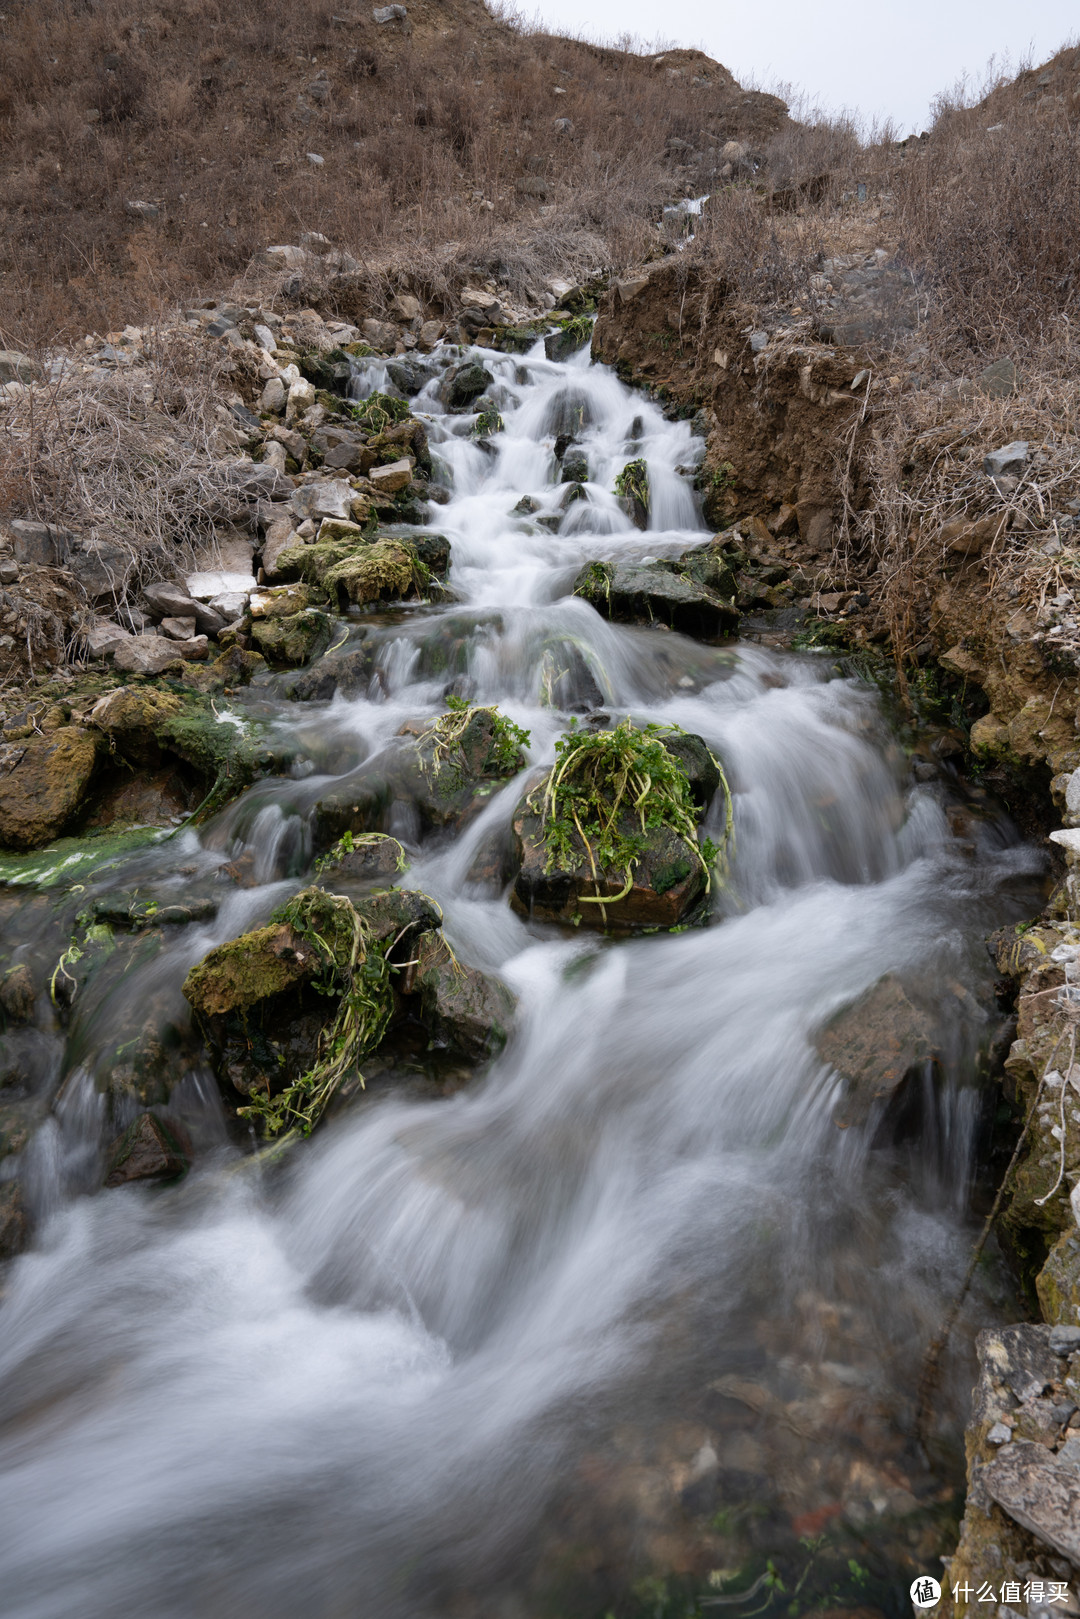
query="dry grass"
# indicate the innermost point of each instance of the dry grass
(133, 458)
(439, 146)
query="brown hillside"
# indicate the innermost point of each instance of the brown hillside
(147, 153)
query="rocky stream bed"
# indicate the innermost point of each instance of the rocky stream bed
(500, 1065)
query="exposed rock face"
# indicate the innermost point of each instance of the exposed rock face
(42, 784)
(1023, 1503)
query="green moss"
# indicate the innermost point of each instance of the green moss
(387, 569)
(596, 582)
(238, 975)
(354, 970)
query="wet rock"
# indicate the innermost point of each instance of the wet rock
(667, 881)
(43, 781)
(374, 858)
(364, 572)
(568, 340)
(347, 670)
(134, 719)
(697, 764)
(17, 993)
(656, 592)
(575, 467)
(149, 1149)
(445, 769)
(466, 1009)
(408, 378)
(464, 384)
(14, 1227)
(873, 1044)
(253, 968)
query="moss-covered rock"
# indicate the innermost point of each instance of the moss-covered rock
(254, 968)
(608, 837)
(386, 570)
(372, 858)
(43, 783)
(295, 640)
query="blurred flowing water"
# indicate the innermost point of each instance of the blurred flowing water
(627, 1307)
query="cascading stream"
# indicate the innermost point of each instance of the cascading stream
(629, 1304)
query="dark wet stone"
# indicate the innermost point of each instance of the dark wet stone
(149, 1149)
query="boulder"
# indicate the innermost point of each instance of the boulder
(593, 856)
(43, 781)
(1009, 461)
(40, 543)
(134, 718)
(293, 639)
(465, 1009)
(379, 334)
(147, 655)
(326, 497)
(873, 1044)
(388, 480)
(377, 570)
(149, 1149)
(575, 467)
(375, 858)
(237, 976)
(568, 340)
(464, 384)
(275, 544)
(656, 592)
(301, 398)
(103, 638)
(169, 601)
(99, 568)
(407, 377)
(273, 397)
(178, 629)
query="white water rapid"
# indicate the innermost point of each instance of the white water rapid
(626, 1307)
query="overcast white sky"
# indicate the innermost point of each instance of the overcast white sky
(877, 58)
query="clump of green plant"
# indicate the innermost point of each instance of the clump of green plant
(380, 411)
(633, 482)
(487, 422)
(349, 841)
(440, 746)
(354, 970)
(606, 791)
(723, 476)
(577, 327)
(596, 581)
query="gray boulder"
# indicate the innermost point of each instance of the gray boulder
(40, 543)
(147, 655)
(464, 384)
(1009, 461)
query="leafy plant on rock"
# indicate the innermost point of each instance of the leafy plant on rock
(633, 482)
(605, 793)
(380, 411)
(355, 971)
